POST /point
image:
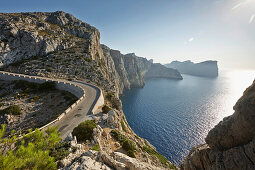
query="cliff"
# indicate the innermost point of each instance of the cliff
(231, 143)
(205, 69)
(57, 45)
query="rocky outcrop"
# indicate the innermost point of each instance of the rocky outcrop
(205, 69)
(231, 143)
(24, 35)
(158, 70)
(100, 160)
(133, 70)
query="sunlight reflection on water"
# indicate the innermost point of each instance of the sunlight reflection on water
(177, 115)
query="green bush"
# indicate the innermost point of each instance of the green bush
(47, 86)
(12, 110)
(84, 130)
(31, 152)
(161, 158)
(29, 87)
(128, 145)
(131, 154)
(118, 136)
(123, 126)
(88, 59)
(96, 147)
(106, 109)
(34, 98)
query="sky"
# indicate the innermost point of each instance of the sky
(165, 30)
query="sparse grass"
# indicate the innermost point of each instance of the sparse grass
(84, 130)
(96, 147)
(11, 110)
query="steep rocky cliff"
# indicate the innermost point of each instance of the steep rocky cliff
(205, 69)
(57, 45)
(231, 143)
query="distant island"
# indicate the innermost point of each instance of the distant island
(206, 69)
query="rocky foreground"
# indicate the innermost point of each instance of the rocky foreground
(231, 143)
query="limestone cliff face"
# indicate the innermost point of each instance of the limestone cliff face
(24, 35)
(158, 70)
(231, 143)
(133, 70)
(205, 69)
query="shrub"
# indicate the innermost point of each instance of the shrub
(123, 126)
(106, 109)
(131, 154)
(28, 87)
(118, 136)
(84, 130)
(34, 98)
(96, 147)
(88, 59)
(47, 86)
(128, 145)
(161, 158)
(31, 152)
(12, 110)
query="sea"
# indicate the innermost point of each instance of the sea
(176, 115)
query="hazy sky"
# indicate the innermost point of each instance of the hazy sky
(165, 30)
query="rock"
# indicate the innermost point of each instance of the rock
(111, 120)
(231, 143)
(237, 129)
(158, 70)
(206, 68)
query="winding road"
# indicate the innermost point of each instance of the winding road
(80, 112)
(89, 103)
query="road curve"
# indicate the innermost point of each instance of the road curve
(80, 112)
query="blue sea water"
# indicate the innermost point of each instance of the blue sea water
(176, 115)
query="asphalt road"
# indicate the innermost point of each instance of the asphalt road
(79, 113)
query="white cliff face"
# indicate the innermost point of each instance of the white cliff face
(21, 41)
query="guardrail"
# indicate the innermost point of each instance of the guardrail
(60, 84)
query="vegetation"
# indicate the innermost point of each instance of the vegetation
(69, 97)
(161, 158)
(96, 147)
(34, 98)
(29, 87)
(123, 126)
(84, 130)
(126, 144)
(30, 152)
(106, 109)
(11, 110)
(88, 59)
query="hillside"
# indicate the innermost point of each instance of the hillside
(57, 45)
